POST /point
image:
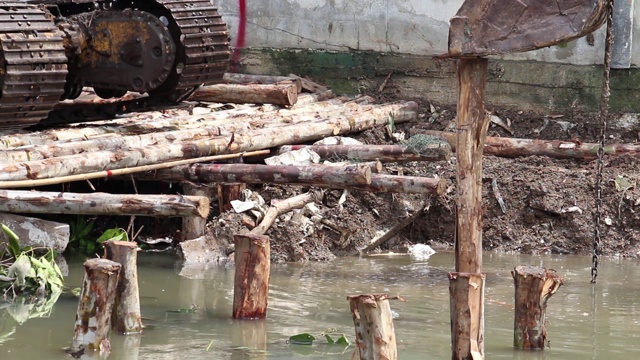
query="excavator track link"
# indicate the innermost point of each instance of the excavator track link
(32, 65)
(205, 39)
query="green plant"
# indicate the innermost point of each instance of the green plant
(80, 228)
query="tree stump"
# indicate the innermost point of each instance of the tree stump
(126, 315)
(251, 286)
(467, 315)
(93, 318)
(375, 336)
(534, 287)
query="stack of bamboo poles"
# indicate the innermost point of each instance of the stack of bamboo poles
(210, 130)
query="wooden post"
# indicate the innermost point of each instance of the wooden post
(467, 315)
(375, 336)
(228, 192)
(194, 227)
(534, 286)
(251, 287)
(93, 318)
(467, 319)
(126, 315)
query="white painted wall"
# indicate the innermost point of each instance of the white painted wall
(418, 27)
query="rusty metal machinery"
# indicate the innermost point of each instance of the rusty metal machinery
(51, 49)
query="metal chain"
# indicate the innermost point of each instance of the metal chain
(604, 113)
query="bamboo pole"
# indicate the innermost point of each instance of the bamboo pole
(285, 94)
(41, 202)
(373, 320)
(232, 143)
(467, 330)
(194, 227)
(251, 284)
(93, 317)
(533, 288)
(126, 317)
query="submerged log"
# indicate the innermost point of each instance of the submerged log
(534, 287)
(93, 318)
(258, 174)
(126, 317)
(466, 293)
(434, 151)
(232, 143)
(41, 202)
(373, 320)
(251, 284)
(557, 149)
(489, 27)
(278, 94)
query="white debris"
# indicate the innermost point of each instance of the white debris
(300, 157)
(421, 251)
(338, 140)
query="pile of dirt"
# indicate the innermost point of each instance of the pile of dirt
(547, 204)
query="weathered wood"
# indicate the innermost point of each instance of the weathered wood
(472, 125)
(228, 192)
(42, 202)
(284, 206)
(467, 334)
(466, 293)
(310, 85)
(403, 184)
(35, 233)
(194, 227)
(534, 286)
(373, 320)
(278, 94)
(233, 78)
(434, 151)
(93, 317)
(557, 149)
(259, 174)
(125, 317)
(367, 117)
(393, 231)
(488, 27)
(251, 284)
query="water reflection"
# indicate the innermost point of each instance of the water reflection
(585, 322)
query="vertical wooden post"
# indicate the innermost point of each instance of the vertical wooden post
(251, 286)
(467, 327)
(93, 317)
(194, 227)
(228, 192)
(534, 286)
(126, 315)
(375, 336)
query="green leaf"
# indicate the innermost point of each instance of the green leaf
(116, 234)
(14, 241)
(76, 291)
(343, 340)
(329, 339)
(302, 339)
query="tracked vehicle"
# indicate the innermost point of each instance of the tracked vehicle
(51, 49)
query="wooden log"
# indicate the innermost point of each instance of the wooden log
(379, 240)
(126, 317)
(258, 174)
(278, 94)
(194, 227)
(233, 78)
(93, 317)
(251, 282)
(284, 206)
(310, 85)
(434, 151)
(466, 293)
(373, 320)
(534, 286)
(403, 184)
(232, 143)
(467, 334)
(228, 192)
(35, 233)
(41, 202)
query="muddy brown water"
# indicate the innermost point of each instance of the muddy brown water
(584, 322)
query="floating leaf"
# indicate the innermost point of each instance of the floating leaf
(343, 340)
(329, 339)
(116, 234)
(302, 339)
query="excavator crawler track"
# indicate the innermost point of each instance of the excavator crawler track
(32, 65)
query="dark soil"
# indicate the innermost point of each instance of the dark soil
(548, 203)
